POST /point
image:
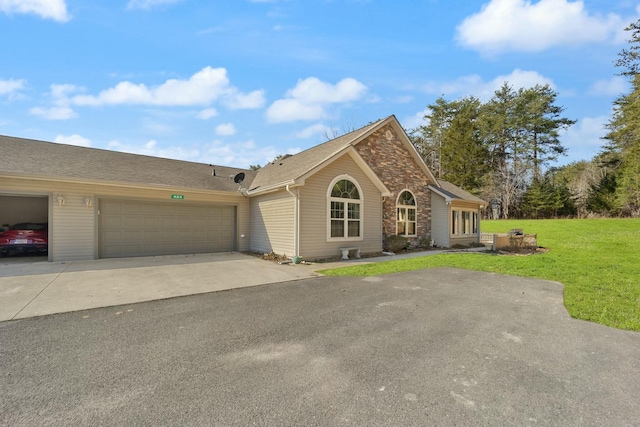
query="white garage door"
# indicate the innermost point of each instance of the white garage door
(131, 228)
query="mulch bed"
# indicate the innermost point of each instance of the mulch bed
(286, 259)
(522, 251)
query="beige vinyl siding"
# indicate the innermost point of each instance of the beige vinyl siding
(72, 228)
(314, 211)
(70, 239)
(273, 223)
(439, 220)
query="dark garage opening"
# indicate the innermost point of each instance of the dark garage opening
(17, 209)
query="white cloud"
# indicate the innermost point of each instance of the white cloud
(240, 154)
(291, 110)
(74, 139)
(416, 120)
(53, 113)
(584, 139)
(207, 113)
(151, 148)
(226, 129)
(149, 4)
(60, 92)
(615, 86)
(203, 88)
(525, 26)
(311, 97)
(240, 101)
(315, 91)
(47, 9)
(11, 87)
(60, 99)
(317, 129)
(474, 85)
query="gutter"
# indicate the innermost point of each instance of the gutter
(273, 187)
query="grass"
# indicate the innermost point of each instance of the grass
(597, 261)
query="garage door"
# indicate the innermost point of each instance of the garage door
(132, 228)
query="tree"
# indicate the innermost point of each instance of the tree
(579, 178)
(496, 149)
(602, 197)
(502, 134)
(521, 129)
(546, 198)
(429, 139)
(623, 138)
(463, 156)
(541, 122)
(629, 59)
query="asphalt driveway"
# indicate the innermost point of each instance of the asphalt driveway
(433, 347)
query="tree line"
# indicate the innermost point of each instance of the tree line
(500, 150)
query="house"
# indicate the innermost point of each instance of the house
(349, 192)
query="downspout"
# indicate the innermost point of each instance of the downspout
(384, 199)
(296, 227)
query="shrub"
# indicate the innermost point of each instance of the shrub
(423, 242)
(395, 243)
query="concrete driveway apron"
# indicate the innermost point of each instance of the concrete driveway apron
(39, 288)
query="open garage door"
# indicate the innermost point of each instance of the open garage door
(130, 228)
(24, 214)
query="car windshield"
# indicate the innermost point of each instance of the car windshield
(29, 226)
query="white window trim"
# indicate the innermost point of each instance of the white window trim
(328, 212)
(458, 231)
(415, 207)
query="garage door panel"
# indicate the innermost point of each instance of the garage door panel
(134, 222)
(131, 208)
(132, 228)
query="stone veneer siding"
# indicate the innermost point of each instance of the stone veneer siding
(398, 170)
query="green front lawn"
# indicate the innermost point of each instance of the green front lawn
(598, 261)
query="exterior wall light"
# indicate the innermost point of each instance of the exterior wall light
(60, 200)
(88, 202)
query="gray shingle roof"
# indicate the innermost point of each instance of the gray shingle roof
(290, 168)
(455, 192)
(59, 161)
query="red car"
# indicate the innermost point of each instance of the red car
(26, 237)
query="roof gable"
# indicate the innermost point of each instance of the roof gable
(292, 170)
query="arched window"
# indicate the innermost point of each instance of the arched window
(406, 219)
(345, 213)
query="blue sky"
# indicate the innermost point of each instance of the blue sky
(238, 82)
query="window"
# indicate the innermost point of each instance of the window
(454, 222)
(464, 223)
(406, 214)
(345, 216)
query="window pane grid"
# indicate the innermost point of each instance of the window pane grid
(354, 229)
(354, 211)
(337, 210)
(406, 214)
(337, 228)
(345, 216)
